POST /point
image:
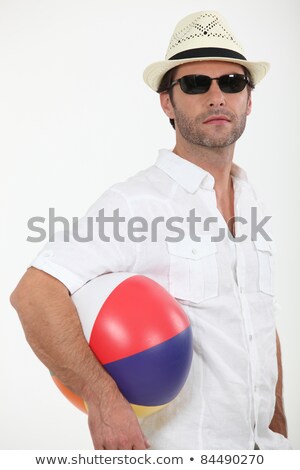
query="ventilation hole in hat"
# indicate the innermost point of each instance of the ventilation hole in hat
(210, 26)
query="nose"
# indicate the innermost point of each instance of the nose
(215, 95)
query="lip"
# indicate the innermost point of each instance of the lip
(217, 119)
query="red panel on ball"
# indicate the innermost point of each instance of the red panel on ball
(137, 315)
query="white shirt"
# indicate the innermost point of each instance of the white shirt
(225, 287)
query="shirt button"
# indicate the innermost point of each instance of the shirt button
(250, 337)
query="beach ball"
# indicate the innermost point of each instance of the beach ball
(140, 334)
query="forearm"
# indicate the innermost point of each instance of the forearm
(278, 423)
(54, 332)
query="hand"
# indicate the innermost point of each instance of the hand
(278, 423)
(113, 424)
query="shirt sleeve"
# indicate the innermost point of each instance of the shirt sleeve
(97, 244)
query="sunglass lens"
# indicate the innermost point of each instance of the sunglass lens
(195, 84)
(233, 83)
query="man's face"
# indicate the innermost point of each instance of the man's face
(194, 114)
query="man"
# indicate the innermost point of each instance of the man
(220, 270)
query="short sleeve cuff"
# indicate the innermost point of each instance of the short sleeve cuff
(68, 278)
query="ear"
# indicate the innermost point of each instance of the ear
(166, 104)
(249, 105)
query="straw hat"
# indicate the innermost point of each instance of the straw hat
(202, 36)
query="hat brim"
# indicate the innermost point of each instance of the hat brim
(154, 73)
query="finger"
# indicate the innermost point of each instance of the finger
(98, 446)
(144, 445)
(139, 444)
(146, 442)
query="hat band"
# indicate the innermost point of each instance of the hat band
(208, 52)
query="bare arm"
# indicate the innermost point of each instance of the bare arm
(53, 330)
(278, 423)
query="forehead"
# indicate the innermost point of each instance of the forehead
(211, 68)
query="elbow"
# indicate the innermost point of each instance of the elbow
(23, 294)
(20, 301)
(16, 297)
(23, 300)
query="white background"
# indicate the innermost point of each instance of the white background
(76, 117)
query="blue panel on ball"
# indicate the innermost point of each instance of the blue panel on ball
(155, 376)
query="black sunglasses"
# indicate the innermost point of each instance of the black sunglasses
(198, 84)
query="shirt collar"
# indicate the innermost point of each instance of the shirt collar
(185, 173)
(189, 175)
(238, 173)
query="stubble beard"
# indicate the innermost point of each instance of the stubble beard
(191, 131)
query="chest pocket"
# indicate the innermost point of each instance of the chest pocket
(266, 266)
(193, 272)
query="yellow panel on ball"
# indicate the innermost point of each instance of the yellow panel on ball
(143, 411)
